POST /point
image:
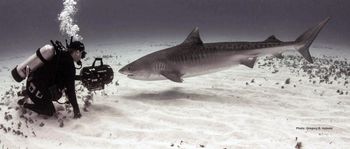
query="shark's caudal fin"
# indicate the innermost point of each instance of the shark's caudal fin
(305, 40)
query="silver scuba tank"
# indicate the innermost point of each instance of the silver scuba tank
(35, 61)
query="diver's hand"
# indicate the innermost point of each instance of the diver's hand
(77, 114)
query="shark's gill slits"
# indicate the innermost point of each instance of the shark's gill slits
(184, 58)
(161, 66)
(176, 59)
(180, 59)
(188, 58)
(155, 67)
(191, 58)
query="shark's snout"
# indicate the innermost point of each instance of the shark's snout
(123, 71)
(126, 71)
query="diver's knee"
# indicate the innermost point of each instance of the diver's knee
(49, 112)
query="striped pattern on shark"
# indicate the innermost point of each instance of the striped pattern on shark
(193, 57)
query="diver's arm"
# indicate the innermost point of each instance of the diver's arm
(70, 92)
(70, 88)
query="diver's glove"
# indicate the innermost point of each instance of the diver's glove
(77, 114)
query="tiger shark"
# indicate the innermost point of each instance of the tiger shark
(193, 57)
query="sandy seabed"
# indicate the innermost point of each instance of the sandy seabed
(280, 103)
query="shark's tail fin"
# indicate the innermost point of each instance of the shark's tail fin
(305, 40)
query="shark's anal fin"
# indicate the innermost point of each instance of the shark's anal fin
(172, 75)
(193, 38)
(249, 62)
(278, 55)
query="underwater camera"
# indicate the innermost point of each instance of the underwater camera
(95, 77)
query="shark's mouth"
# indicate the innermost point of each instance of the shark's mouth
(130, 75)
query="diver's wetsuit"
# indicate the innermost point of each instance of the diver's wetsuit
(59, 71)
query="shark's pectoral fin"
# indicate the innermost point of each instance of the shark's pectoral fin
(172, 75)
(249, 62)
(278, 55)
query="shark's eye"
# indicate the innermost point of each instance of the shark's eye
(129, 68)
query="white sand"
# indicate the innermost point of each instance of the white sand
(217, 110)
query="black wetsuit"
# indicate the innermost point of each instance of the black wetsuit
(57, 74)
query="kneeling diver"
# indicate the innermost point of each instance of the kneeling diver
(47, 83)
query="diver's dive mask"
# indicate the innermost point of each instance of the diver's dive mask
(76, 45)
(83, 54)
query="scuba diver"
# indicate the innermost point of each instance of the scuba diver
(55, 76)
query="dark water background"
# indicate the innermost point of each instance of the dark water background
(27, 24)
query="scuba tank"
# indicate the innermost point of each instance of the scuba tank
(35, 61)
(41, 56)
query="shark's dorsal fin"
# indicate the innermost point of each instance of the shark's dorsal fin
(193, 38)
(172, 75)
(272, 38)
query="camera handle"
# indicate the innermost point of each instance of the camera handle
(79, 77)
(97, 59)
